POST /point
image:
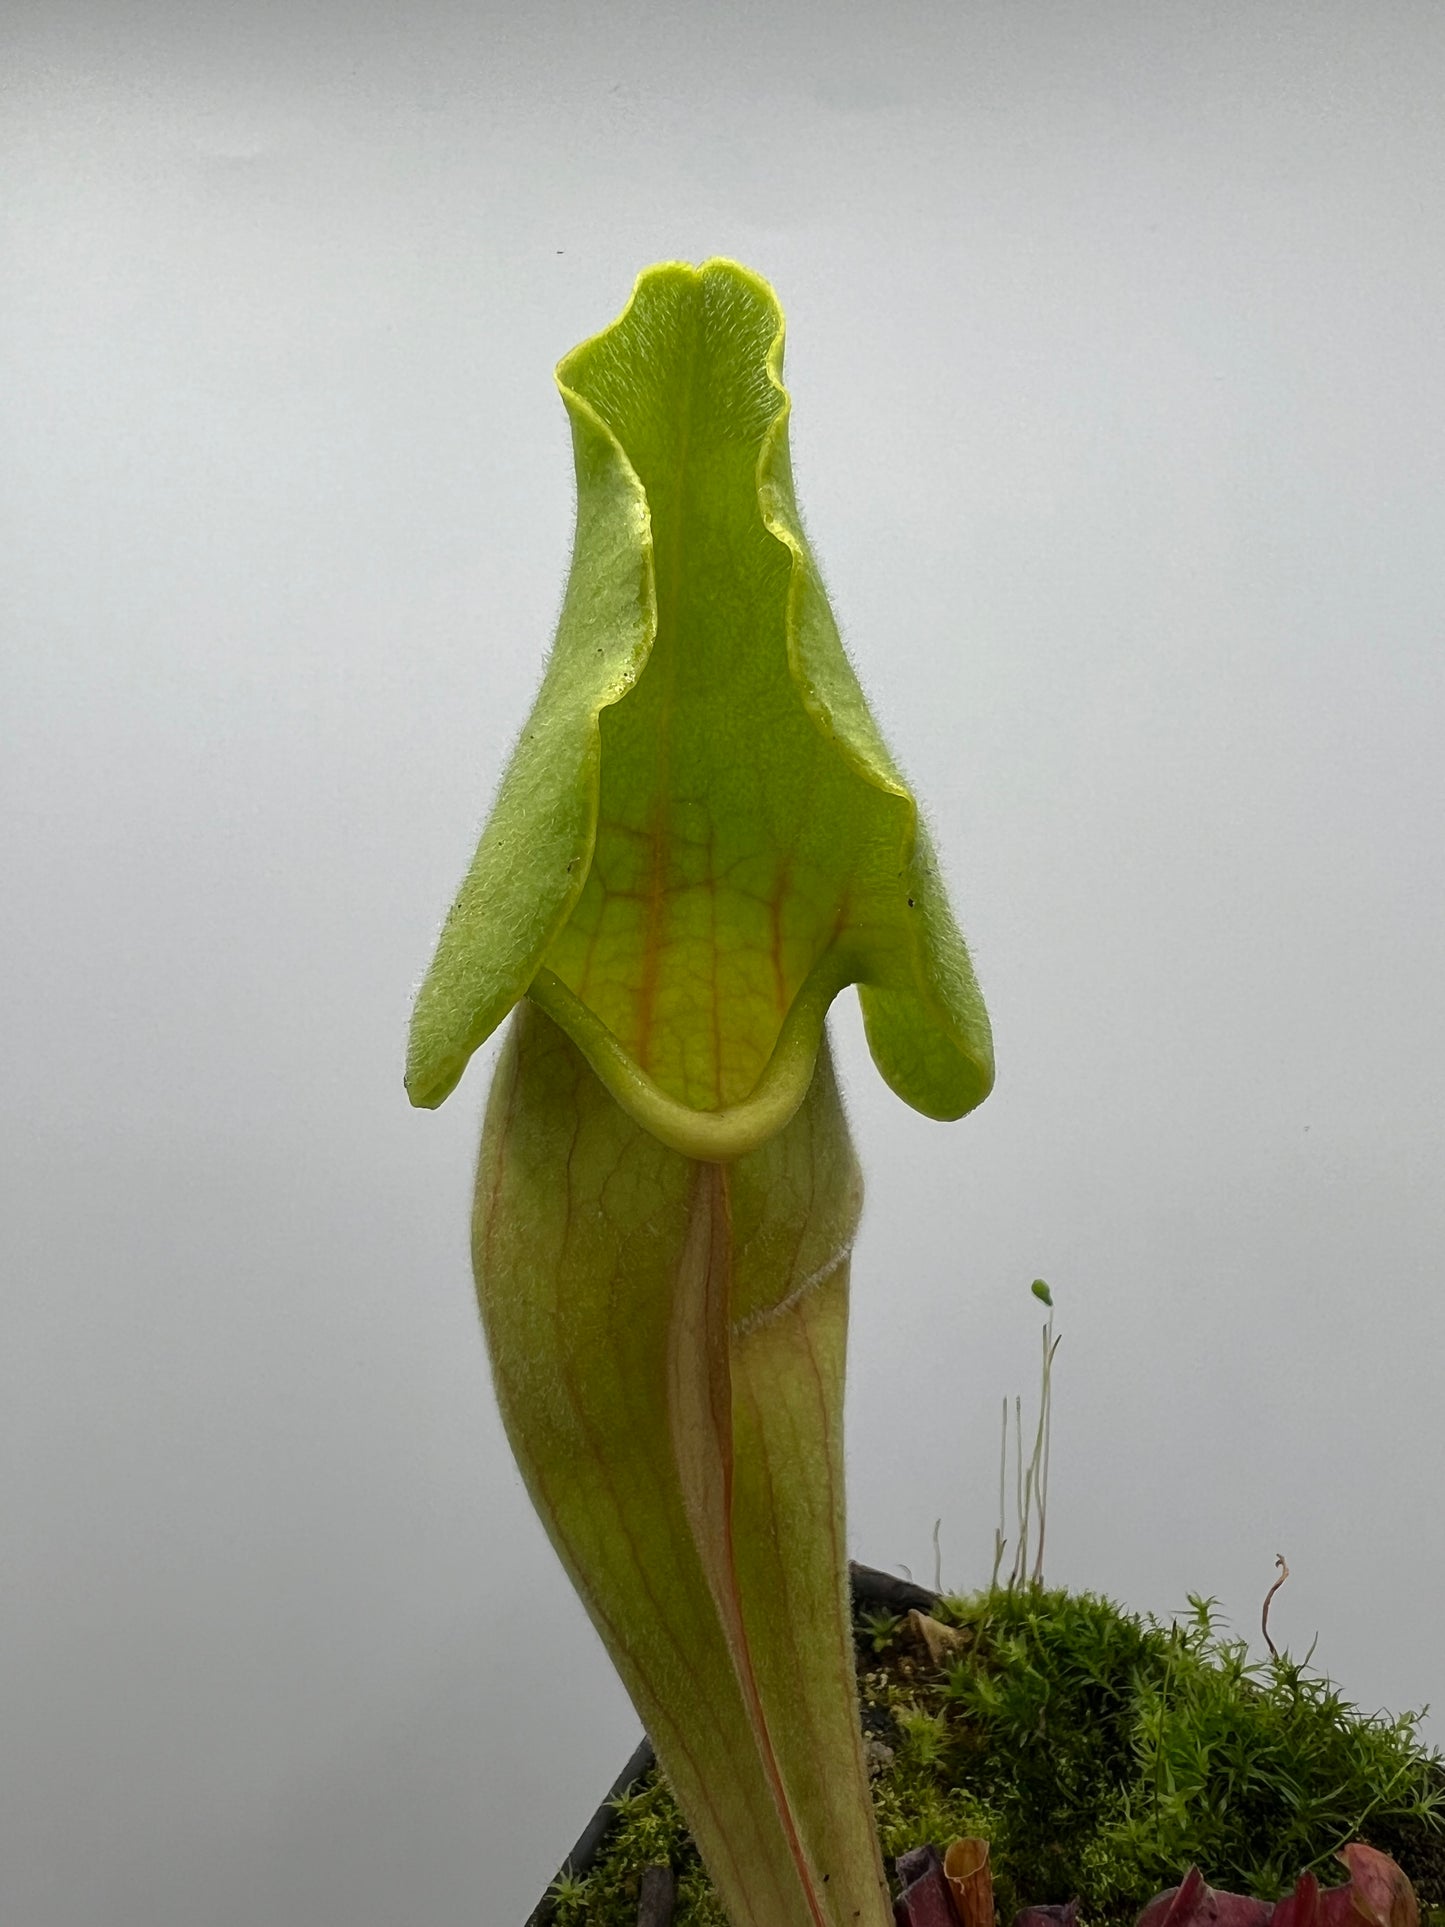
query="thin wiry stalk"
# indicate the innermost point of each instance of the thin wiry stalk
(1021, 1549)
(999, 1542)
(1035, 1457)
(1046, 1433)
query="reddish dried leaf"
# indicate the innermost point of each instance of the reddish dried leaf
(1378, 1888)
(1377, 1894)
(1301, 1908)
(1196, 1904)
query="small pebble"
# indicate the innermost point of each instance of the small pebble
(658, 1897)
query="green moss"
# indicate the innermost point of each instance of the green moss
(1099, 1754)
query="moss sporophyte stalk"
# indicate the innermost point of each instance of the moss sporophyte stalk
(699, 841)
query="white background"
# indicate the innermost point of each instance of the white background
(1116, 350)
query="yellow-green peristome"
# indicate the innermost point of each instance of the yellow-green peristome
(701, 837)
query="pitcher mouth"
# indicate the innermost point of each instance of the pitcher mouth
(715, 1136)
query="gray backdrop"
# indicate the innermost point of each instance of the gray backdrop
(1116, 349)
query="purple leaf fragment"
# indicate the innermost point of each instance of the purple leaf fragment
(1050, 1914)
(926, 1900)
